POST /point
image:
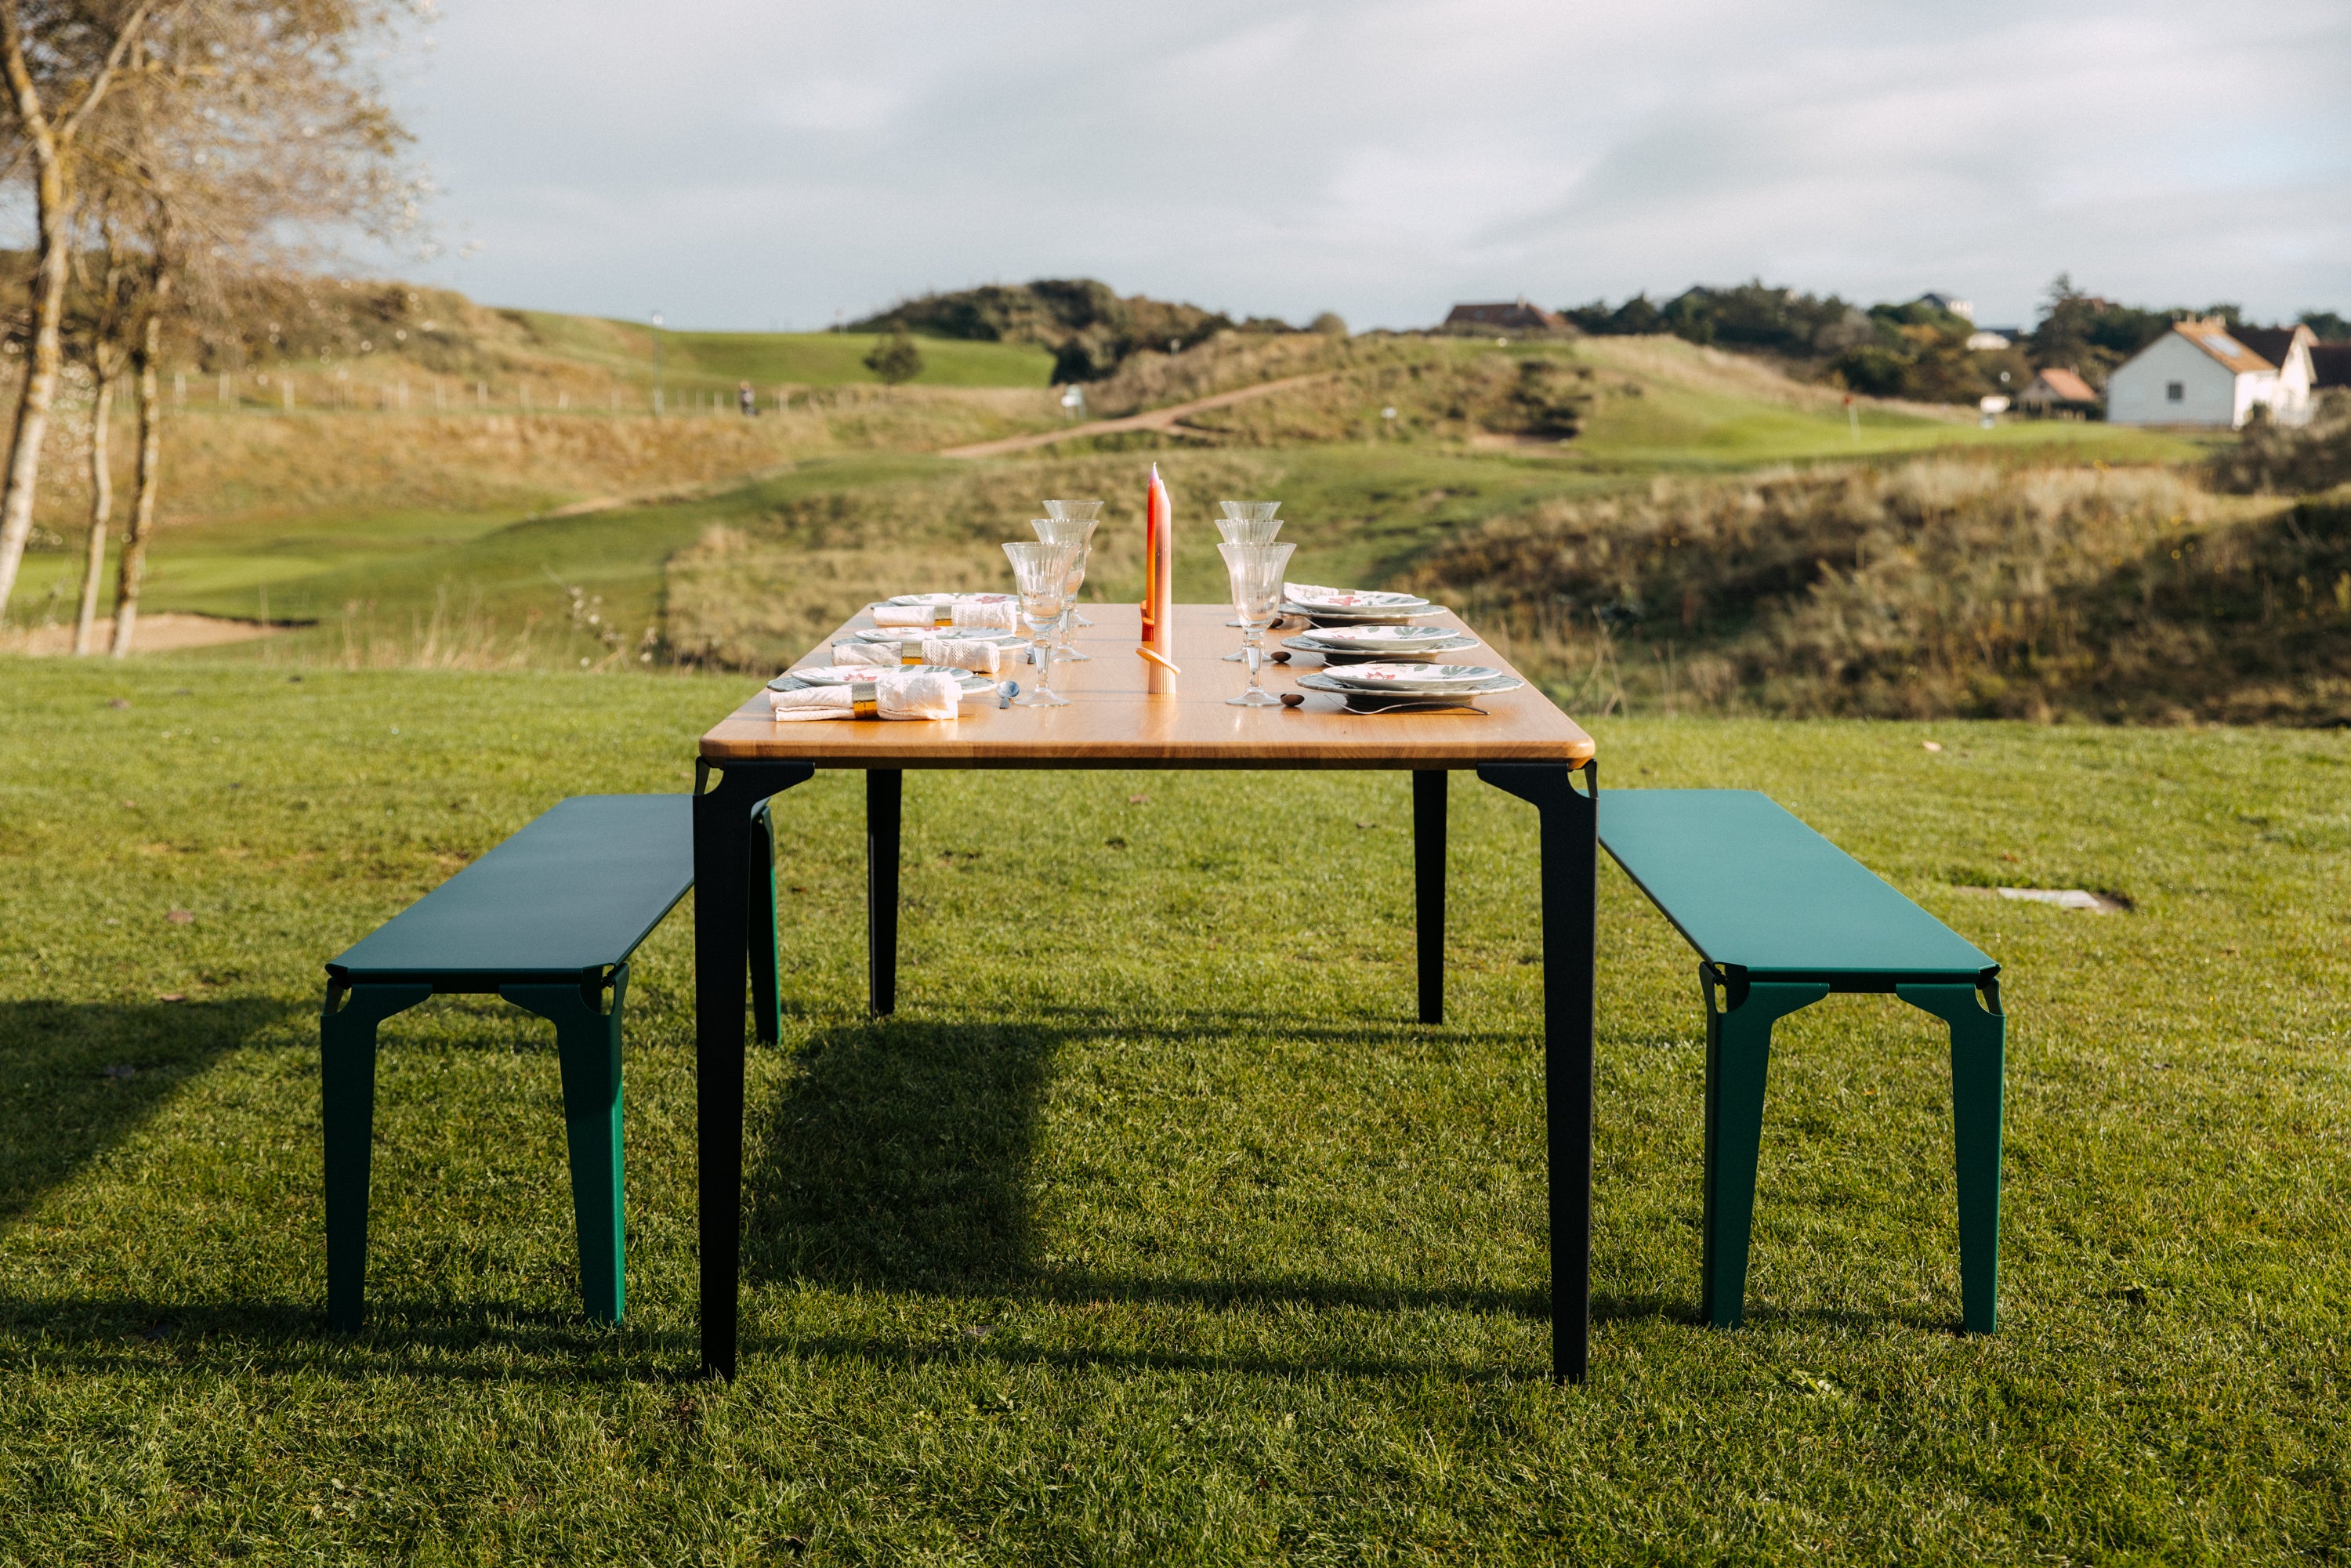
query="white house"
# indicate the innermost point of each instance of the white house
(2195, 374)
(2288, 349)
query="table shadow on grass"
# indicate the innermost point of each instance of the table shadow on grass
(899, 1160)
(83, 1076)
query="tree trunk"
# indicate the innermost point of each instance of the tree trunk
(41, 374)
(101, 509)
(150, 455)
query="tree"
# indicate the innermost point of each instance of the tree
(895, 358)
(61, 59)
(1329, 324)
(108, 308)
(248, 125)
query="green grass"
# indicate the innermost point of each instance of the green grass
(1152, 1229)
(771, 359)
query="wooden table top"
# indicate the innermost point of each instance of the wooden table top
(1111, 721)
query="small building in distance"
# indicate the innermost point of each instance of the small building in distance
(2330, 365)
(1965, 309)
(2059, 393)
(1517, 316)
(2196, 374)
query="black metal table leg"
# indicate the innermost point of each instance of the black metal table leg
(1571, 891)
(1428, 887)
(722, 868)
(884, 800)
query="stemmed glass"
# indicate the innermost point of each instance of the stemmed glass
(1042, 573)
(1078, 532)
(1075, 512)
(1256, 571)
(1246, 531)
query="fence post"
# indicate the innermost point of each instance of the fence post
(222, 399)
(285, 385)
(481, 394)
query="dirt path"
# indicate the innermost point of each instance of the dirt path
(1163, 419)
(162, 633)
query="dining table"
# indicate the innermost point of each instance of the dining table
(1519, 741)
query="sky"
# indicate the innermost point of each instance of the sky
(759, 164)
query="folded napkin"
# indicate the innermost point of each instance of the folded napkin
(961, 617)
(893, 697)
(981, 658)
(890, 653)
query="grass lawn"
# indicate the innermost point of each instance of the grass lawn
(1153, 1229)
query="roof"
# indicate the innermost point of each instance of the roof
(1509, 313)
(2330, 365)
(2275, 343)
(2214, 338)
(2064, 385)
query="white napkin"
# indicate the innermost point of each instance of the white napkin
(869, 654)
(961, 617)
(981, 658)
(894, 697)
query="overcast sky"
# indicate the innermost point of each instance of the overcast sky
(758, 163)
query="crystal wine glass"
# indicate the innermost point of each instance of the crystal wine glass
(1245, 531)
(1075, 512)
(1256, 571)
(1042, 573)
(1080, 532)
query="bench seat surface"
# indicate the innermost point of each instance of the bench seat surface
(1748, 883)
(577, 889)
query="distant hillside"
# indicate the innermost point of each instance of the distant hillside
(1090, 327)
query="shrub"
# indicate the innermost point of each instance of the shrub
(895, 358)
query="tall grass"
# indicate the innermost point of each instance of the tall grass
(1936, 587)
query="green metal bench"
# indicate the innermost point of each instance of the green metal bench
(547, 920)
(1781, 918)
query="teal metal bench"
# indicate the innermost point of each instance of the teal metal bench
(547, 920)
(1781, 918)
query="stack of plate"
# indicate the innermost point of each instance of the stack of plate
(1462, 681)
(1337, 607)
(848, 674)
(1380, 641)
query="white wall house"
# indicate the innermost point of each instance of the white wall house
(2195, 374)
(2287, 347)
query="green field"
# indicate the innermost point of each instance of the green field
(704, 360)
(1153, 1229)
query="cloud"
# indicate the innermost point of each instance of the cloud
(747, 163)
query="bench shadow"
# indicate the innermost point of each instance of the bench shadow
(83, 1076)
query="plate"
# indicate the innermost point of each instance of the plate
(1322, 680)
(1312, 643)
(917, 633)
(913, 599)
(1364, 617)
(845, 675)
(1382, 639)
(1312, 595)
(1378, 677)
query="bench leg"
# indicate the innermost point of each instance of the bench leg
(1428, 887)
(347, 1107)
(767, 973)
(884, 800)
(1570, 827)
(1738, 1059)
(588, 1042)
(1979, 1053)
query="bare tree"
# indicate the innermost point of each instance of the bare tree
(60, 59)
(103, 336)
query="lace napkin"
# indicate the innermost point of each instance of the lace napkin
(887, 696)
(953, 654)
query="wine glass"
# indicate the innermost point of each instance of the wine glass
(1245, 531)
(1042, 573)
(1078, 532)
(1256, 571)
(1075, 512)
